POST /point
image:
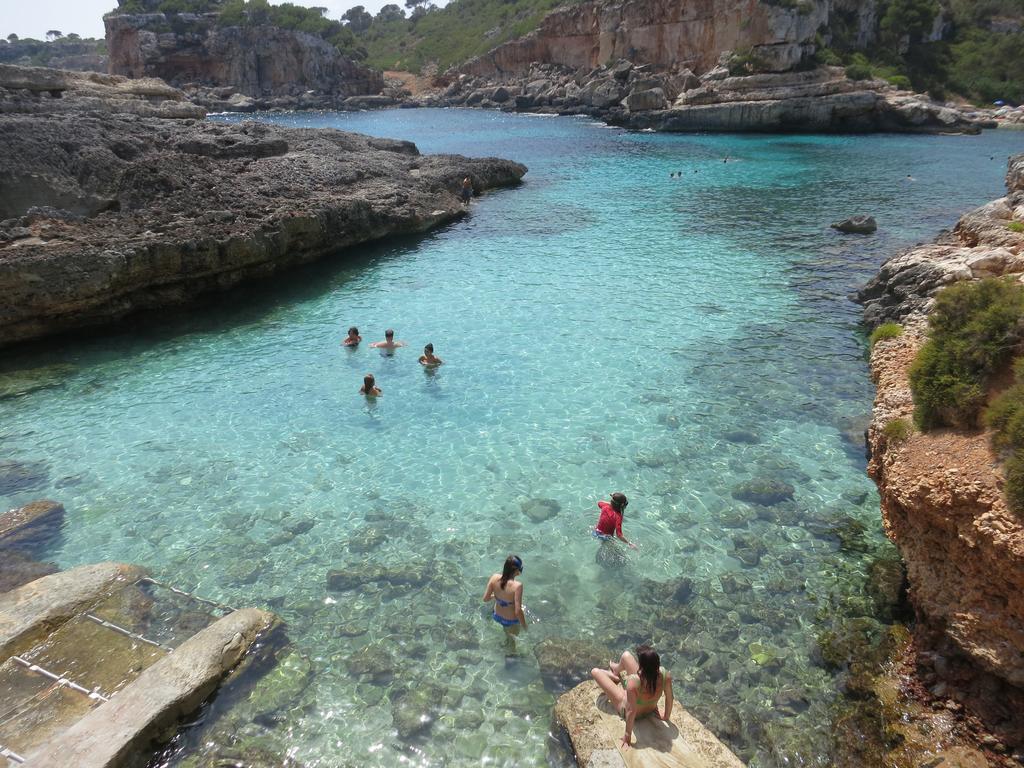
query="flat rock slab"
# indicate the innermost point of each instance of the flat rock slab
(140, 716)
(595, 730)
(33, 610)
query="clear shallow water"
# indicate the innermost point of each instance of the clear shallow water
(606, 328)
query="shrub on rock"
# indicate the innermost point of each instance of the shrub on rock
(975, 329)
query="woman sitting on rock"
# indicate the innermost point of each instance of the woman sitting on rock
(634, 686)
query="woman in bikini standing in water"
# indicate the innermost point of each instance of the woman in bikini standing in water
(507, 594)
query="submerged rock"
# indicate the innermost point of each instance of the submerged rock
(21, 476)
(415, 710)
(611, 555)
(32, 527)
(564, 661)
(539, 510)
(18, 383)
(358, 575)
(764, 491)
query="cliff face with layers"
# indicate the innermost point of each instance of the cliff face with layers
(666, 34)
(256, 61)
(942, 491)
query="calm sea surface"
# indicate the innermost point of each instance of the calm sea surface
(605, 328)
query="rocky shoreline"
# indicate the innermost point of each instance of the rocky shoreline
(941, 491)
(816, 100)
(111, 207)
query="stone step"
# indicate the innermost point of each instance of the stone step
(107, 650)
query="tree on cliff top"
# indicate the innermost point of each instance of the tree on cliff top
(358, 19)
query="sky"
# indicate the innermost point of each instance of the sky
(34, 18)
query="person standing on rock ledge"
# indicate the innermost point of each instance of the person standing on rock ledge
(467, 190)
(634, 686)
(389, 344)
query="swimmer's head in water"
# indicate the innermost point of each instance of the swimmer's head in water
(353, 331)
(619, 502)
(368, 382)
(389, 334)
(429, 349)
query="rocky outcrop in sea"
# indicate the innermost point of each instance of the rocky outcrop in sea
(105, 214)
(266, 66)
(942, 491)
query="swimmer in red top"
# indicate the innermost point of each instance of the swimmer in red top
(610, 522)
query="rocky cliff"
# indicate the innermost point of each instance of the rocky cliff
(941, 491)
(102, 215)
(257, 61)
(666, 34)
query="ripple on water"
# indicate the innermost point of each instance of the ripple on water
(605, 329)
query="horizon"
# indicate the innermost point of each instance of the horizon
(85, 17)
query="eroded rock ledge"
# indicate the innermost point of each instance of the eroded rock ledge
(643, 96)
(942, 492)
(103, 215)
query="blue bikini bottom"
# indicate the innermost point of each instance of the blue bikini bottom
(505, 622)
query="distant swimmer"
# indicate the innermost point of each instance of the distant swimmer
(389, 344)
(507, 594)
(370, 388)
(428, 358)
(353, 337)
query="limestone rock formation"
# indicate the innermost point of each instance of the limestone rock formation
(595, 730)
(105, 216)
(44, 91)
(941, 492)
(987, 242)
(662, 33)
(641, 96)
(257, 61)
(942, 504)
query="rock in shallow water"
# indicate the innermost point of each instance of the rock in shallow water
(764, 491)
(539, 510)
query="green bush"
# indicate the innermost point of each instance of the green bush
(900, 81)
(886, 331)
(896, 430)
(1014, 470)
(858, 72)
(1016, 226)
(975, 329)
(1005, 417)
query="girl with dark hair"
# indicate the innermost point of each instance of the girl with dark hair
(507, 594)
(610, 522)
(634, 686)
(353, 337)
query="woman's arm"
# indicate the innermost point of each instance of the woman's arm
(631, 686)
(489, 592)
(517, 597)
(667, 714)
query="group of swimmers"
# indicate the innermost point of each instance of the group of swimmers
(635, 684)
(428, 359)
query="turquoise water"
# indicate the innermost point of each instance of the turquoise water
(605, 328)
